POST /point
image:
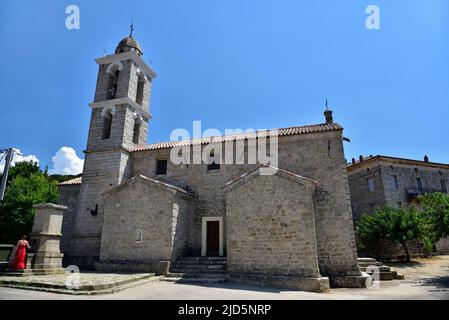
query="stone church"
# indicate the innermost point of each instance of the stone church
(135, 210)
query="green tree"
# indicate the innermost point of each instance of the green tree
(394, 225)
(435, 207)
(28, 186)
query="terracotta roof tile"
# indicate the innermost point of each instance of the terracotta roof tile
(274, 132)
(71, 182)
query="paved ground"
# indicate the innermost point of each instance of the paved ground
(425, 279)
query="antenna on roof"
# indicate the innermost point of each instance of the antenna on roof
(327, 105)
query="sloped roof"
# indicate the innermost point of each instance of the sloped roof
(395, 160)
(71, 182)
(150, 180)
(254, 172)
(252, 135)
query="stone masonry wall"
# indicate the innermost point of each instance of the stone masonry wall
(68, 196)
(318, 156)
(271, 228)
(140, 205)
(362, 200)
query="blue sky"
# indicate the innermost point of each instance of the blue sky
(234, 64)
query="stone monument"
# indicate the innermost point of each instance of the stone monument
(46, 236)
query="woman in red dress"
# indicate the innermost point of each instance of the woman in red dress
(21, 252)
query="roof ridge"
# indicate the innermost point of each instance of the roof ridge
(287, 131)
(73, 181)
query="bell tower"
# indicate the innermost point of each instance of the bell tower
(119, 122)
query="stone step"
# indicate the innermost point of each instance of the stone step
(366, 264)
(381, 268)
(201, 262)
(199, 266)
(397, 276)
(195, 275)
(194, 270)
(366, 260)
(195, 280)
(201, 258)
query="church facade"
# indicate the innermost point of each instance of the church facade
(134, 209)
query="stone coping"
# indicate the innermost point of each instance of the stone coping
(49, 206)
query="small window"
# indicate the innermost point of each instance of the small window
(139, 236)
(113, 84)
(136, 132)
(394, 182)
(161, 166)
(400, 204)
(213, 166)
(419, 184)
(107, 125)
(443, 186)
(139, 96)
(372, 207)
(370, 184)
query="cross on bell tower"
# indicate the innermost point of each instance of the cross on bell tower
(131, 28)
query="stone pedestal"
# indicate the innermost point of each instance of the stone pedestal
(46, 235)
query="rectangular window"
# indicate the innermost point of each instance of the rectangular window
(107, 125)
(372, 207)
(139, 95)
(443, 186)
(213, 166)
(370, 184)
(136, 132)
(161, 166)
(399, 204)
(394, 182)
(419, 184)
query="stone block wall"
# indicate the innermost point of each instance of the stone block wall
(68, 196)
(141, 205)
(270, 227)
(363, 201)
(318, 156)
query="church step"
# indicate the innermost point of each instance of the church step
(200, 263)
(366, 260)
(203, 259)
(195, 280)
(200, 266)
(196, 270)
(195, 275)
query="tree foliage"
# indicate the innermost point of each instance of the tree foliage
(27, 185)
(435, 207)
(394, 225)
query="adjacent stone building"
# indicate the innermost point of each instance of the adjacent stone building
(136, 209)
(379, 181)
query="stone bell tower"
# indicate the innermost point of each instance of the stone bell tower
(119, 122)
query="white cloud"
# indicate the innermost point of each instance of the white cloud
(18, 157)
(65, 161)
